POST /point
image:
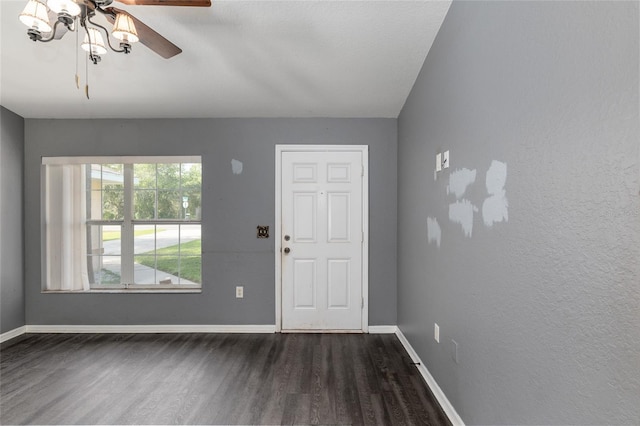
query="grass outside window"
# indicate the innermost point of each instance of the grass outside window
(187, 267)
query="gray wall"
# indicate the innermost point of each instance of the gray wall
(11, 237)
(545, 307)
(233, 205)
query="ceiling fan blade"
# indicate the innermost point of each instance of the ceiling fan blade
(192, 3)
(148, 37)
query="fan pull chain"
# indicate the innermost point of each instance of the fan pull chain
(86, 65)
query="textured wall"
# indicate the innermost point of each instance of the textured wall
(541, 292)
(233, 205)
(11, 237)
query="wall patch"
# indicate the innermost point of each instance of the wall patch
(459, 181)
(434, 233)
(462, 212)
(236, 167)
(496, 207)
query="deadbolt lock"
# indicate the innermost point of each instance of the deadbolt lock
(287, 238)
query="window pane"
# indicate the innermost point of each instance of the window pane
(144, 176)
(190, 251)
(144, 239)
(113, 202)
(96, 205)
(144, 204)
(168, 176)
(191, 176)
(110, 243)
(104, 263)
(191, 233)
(167, 269)
(167, 239)
(144, 269)
(169, 205)
(103, 240)
(104, 270)
(190, 270)
(193, 204)
(112, 174)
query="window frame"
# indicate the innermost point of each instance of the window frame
(128, 222)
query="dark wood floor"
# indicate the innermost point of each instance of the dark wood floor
(212, 379)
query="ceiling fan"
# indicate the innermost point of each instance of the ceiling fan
(38, 14)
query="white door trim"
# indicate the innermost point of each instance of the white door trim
(364, 150)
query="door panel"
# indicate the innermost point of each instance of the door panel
(304, 284)
(321, 213)
(339, 283)
(338, 214)
(305, 209)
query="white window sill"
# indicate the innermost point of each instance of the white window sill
(129, 290)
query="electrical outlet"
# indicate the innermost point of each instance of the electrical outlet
(436, 332)
(454, 350)
(445, 160)
(239, 292)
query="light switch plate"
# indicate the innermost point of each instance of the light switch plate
(445, 160)
(438, 162)
(436, 332)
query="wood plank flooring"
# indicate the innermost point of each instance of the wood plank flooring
(252, 379)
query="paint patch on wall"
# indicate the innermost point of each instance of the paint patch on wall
(462, 212)
(434, 233)
(236, 167)
(459, 181)
(496, 207)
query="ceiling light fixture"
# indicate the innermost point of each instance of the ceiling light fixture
(68, 12)
(125, 31)
(94, 44)
(35, 17)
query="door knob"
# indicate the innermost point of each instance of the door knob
(287, 238)
(287, 250)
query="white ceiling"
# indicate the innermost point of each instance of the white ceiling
(239, 59)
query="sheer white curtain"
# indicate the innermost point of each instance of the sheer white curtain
(66, 236)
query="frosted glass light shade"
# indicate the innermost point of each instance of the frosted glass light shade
(96, 45)
(35, 16)
(68, 6)
(124, 29)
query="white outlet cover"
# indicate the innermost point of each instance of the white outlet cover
(239, 292)
(445, 160)
(436, 332)
(438, 162)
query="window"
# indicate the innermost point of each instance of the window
(122, 223)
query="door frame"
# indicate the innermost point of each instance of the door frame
(364, 150)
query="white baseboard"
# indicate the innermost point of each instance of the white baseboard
(382, 329)
(448, 408)
(196, 328)
(13, 333)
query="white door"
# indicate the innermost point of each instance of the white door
(322, 240)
